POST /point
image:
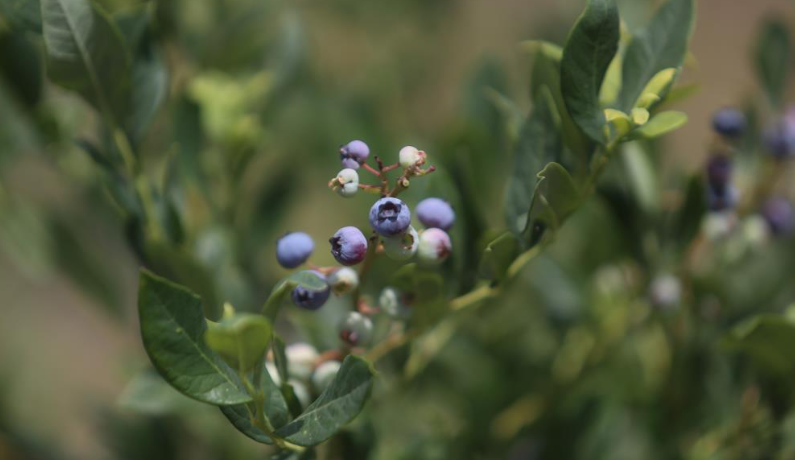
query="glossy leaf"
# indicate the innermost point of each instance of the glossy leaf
(274, 409)
(338, 405)
(241, 340)
(172, 326)
(772, 60)
(662, 123)
(86, 53)
(589, 50)
(539, 143)
(555, 198)
(662, 44)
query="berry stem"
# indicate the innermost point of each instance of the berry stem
(371, 169)
(370, 188)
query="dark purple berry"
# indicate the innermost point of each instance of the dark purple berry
(311, 299)
(719, 172)
(348, 246)
(722, 200)
(780, 139)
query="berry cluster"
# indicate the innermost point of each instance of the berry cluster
(722, 194)
(392, 234)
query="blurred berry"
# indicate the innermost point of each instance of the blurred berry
(354, 154)
(343, 280)
(722, 200)
(402, 247)
(347, 182)
(356, 329)
(409, 156)
(301, 359)
(390, 216)
(719, 172)
(311, 299)
(435, 246)
(780, 139)
(729, 122)
(293, 249)
(348, 245)
(324, 375)
(779, 215)
(390, 301)
(435, 213)
(665, 291)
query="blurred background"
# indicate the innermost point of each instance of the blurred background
(267, 90)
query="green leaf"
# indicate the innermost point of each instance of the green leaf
(772, 60)
(662, 123)
(86, 54)
(172, 326)
(498, 256)
(539, 144)
(662, 44)
(337, 406)
(769, 340)
(546, 74)
(555, 198)
(590, 48)
(275, 410)
(427, 289)
(283, 288)
(22, 14)
(282, 367)
(241, 340)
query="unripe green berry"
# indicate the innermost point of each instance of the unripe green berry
(356, 329)
(402, 247)
(343, 280)
(409, 156)
(390, 303)
(347, 182)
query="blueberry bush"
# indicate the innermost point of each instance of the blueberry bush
(527, 282)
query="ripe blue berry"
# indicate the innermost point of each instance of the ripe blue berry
(780, 140)
(356, 329)
(435, 246)
(293, 249)
(435, 213)
(402, 247)
(354, 154)
(348, 245)
(311, 299)
(729, 122)
(779, 215)
(719, 172)
(390, 216)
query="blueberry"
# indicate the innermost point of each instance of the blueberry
(722, 200)
(435, 246)
(390, 216)
(311, 299)
(780, 139)
(301, 359)
(354, 154)
(729, 122)
(779, 215)
(293, 249)
(348, 245)
(356, 329)
(346, 183)
(324, 375)
(402, 247)
(435, 213)
(343, 280)
(393, 303)
(409, 156)
(719, 172)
